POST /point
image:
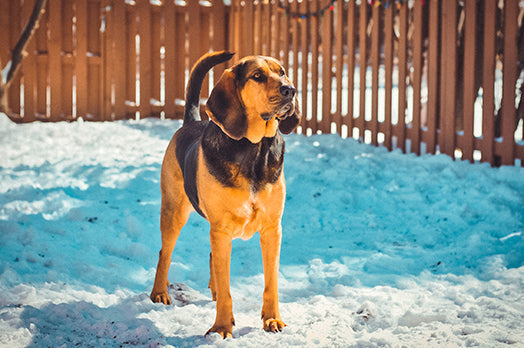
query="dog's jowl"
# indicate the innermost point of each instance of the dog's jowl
(230, 170)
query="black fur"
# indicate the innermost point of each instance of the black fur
(260, 163)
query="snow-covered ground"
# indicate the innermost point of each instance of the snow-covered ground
(379, 248)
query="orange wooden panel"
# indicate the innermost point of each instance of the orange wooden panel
(29, 69)
(295, 36)
(275, 30)
(351, 44)
(55, 59)
(81, 64)
(67, 59)
(339, 62)
(388, 70)
(266, 28)
(313, 120)
(156, 21)
(375, 64)
(117, 35)
(257, 28)
(285, 35)
(509, 80)
(95, 82)
(448, 76)
(362, 66)
(327, 59)
(131, 58)
(488, 82)
(417, 77)
(433, 76)
(469, 77)
(145, 62)
(170, 58)
(402, 74)
(304, 43)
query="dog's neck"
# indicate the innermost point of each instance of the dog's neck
(259, 163)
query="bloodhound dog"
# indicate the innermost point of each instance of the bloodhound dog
(230, 170)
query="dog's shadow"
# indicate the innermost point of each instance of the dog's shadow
(82, 323)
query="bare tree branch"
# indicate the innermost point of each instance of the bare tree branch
(17, 54)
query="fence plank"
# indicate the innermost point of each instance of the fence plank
(417, 76)
(55, 59)
(5, 42)
(350, 44)
(402, 75)
(145, 57)
(510, 75)
(362, 66)
(170, 58)
(327, 62)
(29, 69)
(313, 121)
(470, 94)
(375, 63)
(118, 37)
(488, 79)
(433, 76)
(67, 59)
(448, 74)
(156, 62)
(339, 61)
(388, 69)
(304, 8)
(95, 80)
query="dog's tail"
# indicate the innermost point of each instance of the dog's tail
(194, 85)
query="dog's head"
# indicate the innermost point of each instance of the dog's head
(254, 98)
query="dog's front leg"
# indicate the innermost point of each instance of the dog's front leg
(221, 259)
(270, 240)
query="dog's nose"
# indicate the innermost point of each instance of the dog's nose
(287, 91)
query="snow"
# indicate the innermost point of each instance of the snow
(379, 248)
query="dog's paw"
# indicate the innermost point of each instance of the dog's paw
(274, 325)
(226, 331)
(160, 297)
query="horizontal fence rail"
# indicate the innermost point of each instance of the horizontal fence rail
(433, 76)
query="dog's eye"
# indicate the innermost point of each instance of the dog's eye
(282, 72)
(258, 76)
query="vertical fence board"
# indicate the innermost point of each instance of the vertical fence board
(402, 75)
(171, 54)
(488, 79)
(81, 58)
(350, 44)
(156, 62)
(433, 77)
(339, 61)
(469, 77)
(29, 69)
(55, 59)
(5, 42)
(313, 121)
(132, 64)
(119, 71)
(375, 63)
(145, 57)
(327, 55)
(448, 74)
(304, 8)
(95, 81)
(295, 39)
(67, 61)
(417, 77)
(362, 67)
(388, 69)
(510, 75)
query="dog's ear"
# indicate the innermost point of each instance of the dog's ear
(224, 107)
(291, 122)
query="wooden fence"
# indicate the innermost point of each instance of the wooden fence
(423, 76)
